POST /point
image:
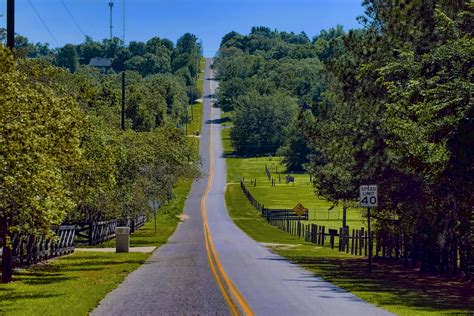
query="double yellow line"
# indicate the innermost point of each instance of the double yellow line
(234, 299)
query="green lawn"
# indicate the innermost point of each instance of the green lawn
(75, 284)
(285, 195)
(401, 291)
(71, 285)
(195, 117)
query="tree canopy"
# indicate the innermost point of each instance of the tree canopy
(387, 104)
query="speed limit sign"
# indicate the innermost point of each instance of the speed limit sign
(368, 196)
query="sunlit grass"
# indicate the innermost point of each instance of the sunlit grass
(285, 195)
(195, 118)
(71, 285)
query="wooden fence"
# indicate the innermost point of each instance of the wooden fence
(355, 243)
(28, 250)
(342, 239)
(98, 232)
(388, 242)
(272, 214)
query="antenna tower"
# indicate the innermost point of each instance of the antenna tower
(111, 5)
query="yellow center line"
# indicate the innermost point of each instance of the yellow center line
(231, 294)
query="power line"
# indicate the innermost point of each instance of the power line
(43, 22)
(73, 18)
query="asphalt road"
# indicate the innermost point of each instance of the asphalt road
(211, 267)
(177, 280)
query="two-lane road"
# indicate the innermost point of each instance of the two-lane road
(211, 267)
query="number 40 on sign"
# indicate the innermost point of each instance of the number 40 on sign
(368, 196)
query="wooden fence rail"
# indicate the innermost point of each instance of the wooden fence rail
(98, 232)
(288, 221)
(388, 241)
(28, 250)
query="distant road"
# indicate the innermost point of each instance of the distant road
(269, 284)
(211, 267)
(177, 280)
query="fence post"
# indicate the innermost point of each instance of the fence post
(319, 235)
(352, 241)
(356, 250)
(331, 238)
(340, 239)
(347, 239)
(90, 234)
(323, 232)
(366, 243)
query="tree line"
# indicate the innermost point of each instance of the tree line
(388, 104)
(64, 157)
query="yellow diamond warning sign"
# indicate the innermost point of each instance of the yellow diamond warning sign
(300, 209)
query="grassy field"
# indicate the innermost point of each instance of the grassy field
(195, 117)
(401, 291)
(195, 110)
(285, 195)
(71, 285)
(75, 284)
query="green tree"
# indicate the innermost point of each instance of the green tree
(260, 122)
(40, 141)
(67, 58)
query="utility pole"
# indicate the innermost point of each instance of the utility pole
(111, 5)
(11, 24)
(6, 221)
(123, 101)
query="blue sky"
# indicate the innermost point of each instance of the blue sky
(208, 19)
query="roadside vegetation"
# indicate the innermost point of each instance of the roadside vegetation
(75, 284)
(109, 173)
(65, 157)
(387, 104)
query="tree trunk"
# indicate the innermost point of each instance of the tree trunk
(344, 214)
(7, 255)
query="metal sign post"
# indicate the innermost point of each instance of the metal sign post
(369, 199)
